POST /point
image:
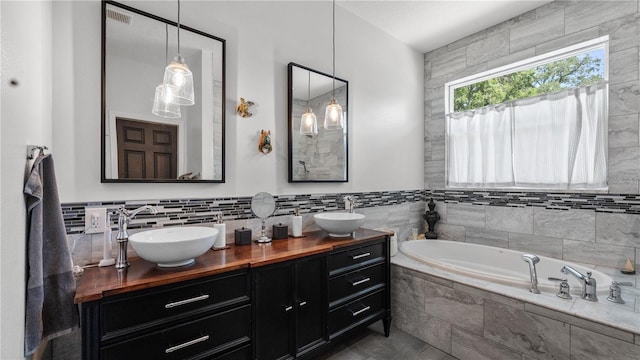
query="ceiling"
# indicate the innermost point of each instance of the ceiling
(426, 25)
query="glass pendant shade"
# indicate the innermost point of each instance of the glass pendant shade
(163, 102)
(178, 74)
(333, 116)
(308, 123)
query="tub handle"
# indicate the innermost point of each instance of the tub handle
(564, 290)
(356, 257)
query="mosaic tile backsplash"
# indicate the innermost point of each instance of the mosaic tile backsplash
(175, 212)
(612, 203)
(172, 212)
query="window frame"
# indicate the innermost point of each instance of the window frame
(532, 62)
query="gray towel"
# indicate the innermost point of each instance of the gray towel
(50, 310)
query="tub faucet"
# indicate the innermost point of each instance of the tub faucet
(124, 217)
(588, 283)
(532, 260)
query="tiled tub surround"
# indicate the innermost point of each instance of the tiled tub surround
(475, 319)
(583, 236)
(550, 27)
(401, 210)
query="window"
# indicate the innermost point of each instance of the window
(537, 124)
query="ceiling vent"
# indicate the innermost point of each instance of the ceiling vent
(119, 16)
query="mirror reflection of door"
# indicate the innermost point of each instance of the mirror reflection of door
(134, 47)
(146, 150)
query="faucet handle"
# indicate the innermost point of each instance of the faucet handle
(590, 288)
(564, 290)
(615, 294)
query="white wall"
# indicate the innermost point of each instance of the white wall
(53, 50)
(26, 44)
(386, 101)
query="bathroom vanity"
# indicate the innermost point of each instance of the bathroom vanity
(291, 298)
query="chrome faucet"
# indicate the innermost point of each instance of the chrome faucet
(350, 203)
(588, 283)
(532, 260)
(124, 217)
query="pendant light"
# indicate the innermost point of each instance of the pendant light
(163, 101)
(308, 123)
(333, 116)
(178, 74)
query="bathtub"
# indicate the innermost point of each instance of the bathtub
(497, 265)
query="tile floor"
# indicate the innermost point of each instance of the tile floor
(371, 344)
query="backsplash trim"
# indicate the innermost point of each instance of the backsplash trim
(609, 203)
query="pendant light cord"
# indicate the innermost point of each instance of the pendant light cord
(333, 47)
(166, 44)
(178, 27)
(309, 92)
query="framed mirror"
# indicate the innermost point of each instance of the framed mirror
(321, 157)
(138, 146)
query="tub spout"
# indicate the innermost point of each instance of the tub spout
(588, 283)
(532, 260)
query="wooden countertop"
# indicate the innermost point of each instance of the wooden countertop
(96, 283)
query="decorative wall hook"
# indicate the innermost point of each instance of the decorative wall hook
(264, 145)
(243, 108)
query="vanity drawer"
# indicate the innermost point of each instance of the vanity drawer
(143, 309)
(243, 353)
(350, 259)
(345, 287)
(350, 315)
(204, 337)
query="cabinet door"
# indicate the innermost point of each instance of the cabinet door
(311, 303)
(274, 311)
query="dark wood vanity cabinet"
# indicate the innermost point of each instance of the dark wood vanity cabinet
(359, 294)
(290, 302)
(293, 299)
(206, 318)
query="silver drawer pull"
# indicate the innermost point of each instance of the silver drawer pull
(356, 283)
(186, 301)
(288, 308)
(355, 257)
(187, 344)
(366, 308)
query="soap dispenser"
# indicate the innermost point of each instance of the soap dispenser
(221, 240)
(296, 226)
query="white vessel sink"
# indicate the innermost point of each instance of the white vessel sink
(339, 224)
(173, 246)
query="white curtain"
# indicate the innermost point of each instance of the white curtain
(552, 141)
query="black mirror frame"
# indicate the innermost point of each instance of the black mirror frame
(290, 126)
(103, 120)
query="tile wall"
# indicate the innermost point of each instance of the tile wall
(470, 323)
(595, 228)
(550, 27)
(599, 229)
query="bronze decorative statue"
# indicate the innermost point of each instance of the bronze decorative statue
(432, 218)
